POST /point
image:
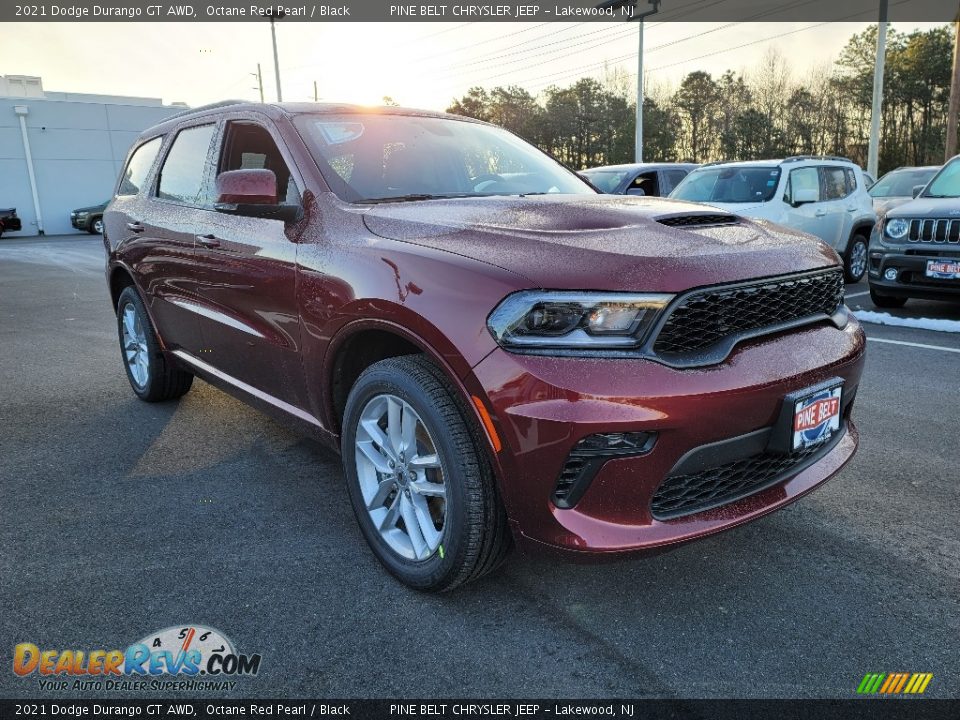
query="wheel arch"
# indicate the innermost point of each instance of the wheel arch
(120, 279)
(375, 340)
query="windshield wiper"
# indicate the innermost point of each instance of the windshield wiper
(413, 197)
(940, 197)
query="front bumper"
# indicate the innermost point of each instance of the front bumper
(80, 223)
(910, 262)
(543, 407)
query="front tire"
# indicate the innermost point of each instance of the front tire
(96, 226)
(886, 301)
(420, 484)
(855, 260)
(151, 375)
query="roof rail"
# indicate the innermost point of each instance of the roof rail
(835, 158)
(201, 108)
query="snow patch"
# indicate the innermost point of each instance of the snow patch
(879, 318)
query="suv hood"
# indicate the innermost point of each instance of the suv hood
(92, 208)
(919, 207)
(601, 242)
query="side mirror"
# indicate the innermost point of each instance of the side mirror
(917, 189)
(801, 196)
(636, 191)
(252, 193)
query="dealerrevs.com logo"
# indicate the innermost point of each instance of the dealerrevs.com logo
(189, 658)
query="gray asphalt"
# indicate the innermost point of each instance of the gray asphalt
(118, 518)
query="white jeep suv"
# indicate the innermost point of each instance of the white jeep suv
(823, 196)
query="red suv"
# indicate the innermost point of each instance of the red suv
(497, 351)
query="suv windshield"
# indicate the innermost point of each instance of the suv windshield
(729, 185)
(386, 157)
(947, 182)
(900, 183)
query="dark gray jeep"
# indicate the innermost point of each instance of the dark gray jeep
(915, 248)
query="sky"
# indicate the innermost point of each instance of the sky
(421, 65)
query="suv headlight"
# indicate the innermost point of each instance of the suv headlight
(897, 228)
(560, 320)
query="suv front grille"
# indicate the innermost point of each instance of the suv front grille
(936, 230)
(713, 317)
(687, 494)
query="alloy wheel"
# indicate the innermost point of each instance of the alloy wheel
(401, 477)
(858, 259)
(135, 346)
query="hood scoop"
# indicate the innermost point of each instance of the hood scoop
(698, 220)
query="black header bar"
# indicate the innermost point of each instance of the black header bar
(854, 709)
(473, 11)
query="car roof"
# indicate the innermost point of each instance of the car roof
(289, 109)
(815, 159)
(640, 166)
(913, 168)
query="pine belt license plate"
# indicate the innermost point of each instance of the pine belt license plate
(816, 417)
(943, 270)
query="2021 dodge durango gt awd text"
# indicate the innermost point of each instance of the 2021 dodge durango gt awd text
(498, 352)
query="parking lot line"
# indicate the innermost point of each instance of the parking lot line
(857, 294)
(913, 344)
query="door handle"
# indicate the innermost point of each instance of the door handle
(820, 213)
(852, 208)
(210, 240)
(135, 226)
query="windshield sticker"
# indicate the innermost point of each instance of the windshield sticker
(336, 133)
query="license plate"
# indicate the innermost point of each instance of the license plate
(943, 270)
(816, 417)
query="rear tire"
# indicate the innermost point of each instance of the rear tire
(886, 301)
(96, 226)
(152, 376)
(455, 539)
(855, 259)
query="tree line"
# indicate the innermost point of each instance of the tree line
(768, 112)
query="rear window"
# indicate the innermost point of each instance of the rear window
(138, 167)
(729, 185)
(606, 180)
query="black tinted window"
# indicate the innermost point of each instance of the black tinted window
(183, 172)
(139, 166)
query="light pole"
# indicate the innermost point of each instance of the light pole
(641, 16)
(276, 62)
(873, 151)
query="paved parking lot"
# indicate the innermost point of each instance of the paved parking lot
(118, 518)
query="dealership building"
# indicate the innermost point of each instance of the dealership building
(60, 151)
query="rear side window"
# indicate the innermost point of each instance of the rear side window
(835, 183)
(673, 178)
(183, 175)
(137, 168)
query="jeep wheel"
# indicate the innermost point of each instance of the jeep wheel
(420, 484)
(855, 262)
(151, 375)
(96, 226)
(886, 301)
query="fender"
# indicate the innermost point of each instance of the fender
(449, 360)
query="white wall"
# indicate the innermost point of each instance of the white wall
(78, 151)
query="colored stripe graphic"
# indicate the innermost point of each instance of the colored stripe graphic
(894, 683)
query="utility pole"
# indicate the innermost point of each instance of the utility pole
(873, 151)
(276, 61)
(954, 107)
(259, 76)
(315, 97)
(638, 138)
